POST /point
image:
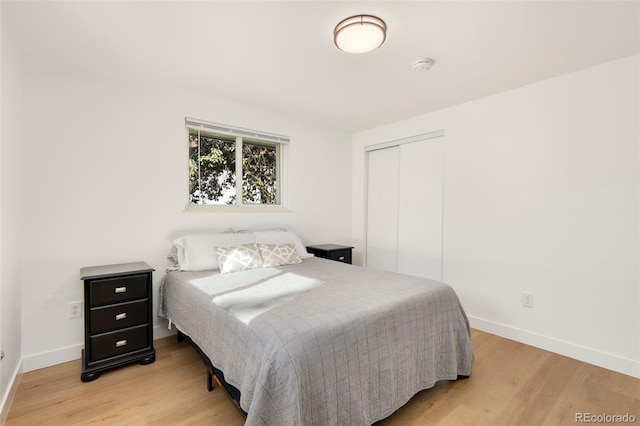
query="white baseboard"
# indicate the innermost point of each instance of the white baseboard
(160, 331)
(49, 358)
(10, 393)
(71, 353)
(583, 353)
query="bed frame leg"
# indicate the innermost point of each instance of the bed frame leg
(209, 381)
(182, 337)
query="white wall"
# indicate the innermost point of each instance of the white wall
(10, 207)
(105, 181)
(541, 195)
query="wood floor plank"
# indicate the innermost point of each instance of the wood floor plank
(511, 384)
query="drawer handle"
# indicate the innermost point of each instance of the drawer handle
(121, 289)
(121, 343)
(121, 316)
(341, 258)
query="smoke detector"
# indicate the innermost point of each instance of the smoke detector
(422, 65)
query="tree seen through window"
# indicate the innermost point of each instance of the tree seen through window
(213, 169)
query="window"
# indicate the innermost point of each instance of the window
(234, 167)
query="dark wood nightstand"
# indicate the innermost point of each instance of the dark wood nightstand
(118, 326)
(332, 251)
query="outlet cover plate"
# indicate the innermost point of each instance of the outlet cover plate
(74, 310)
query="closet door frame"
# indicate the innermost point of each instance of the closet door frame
(381, 247)
(390, 144)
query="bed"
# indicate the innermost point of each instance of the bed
(320, 342)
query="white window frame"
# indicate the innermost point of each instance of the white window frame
(251, 136)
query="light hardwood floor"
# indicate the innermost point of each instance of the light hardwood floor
(511, 384)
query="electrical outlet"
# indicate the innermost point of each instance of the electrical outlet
(74, 310)
(527, 299)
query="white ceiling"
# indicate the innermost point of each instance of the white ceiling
(281, 54)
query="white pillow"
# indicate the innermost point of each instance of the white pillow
(281, 237)
(278, 254)
(195, 251)
(238, 258)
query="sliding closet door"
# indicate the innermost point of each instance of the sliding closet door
(420, 208)
(382, 208)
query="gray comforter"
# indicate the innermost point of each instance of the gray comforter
(322, 342)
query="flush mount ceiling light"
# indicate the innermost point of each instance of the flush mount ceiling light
(360, 34)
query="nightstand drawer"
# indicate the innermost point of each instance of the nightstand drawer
(118, 342)
(118, 289)
(340, 255)
(122, 315)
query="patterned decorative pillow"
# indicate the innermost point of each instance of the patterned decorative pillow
(279, 254)
(282, 237)
(238, 258)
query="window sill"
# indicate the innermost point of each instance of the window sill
(211, 208)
